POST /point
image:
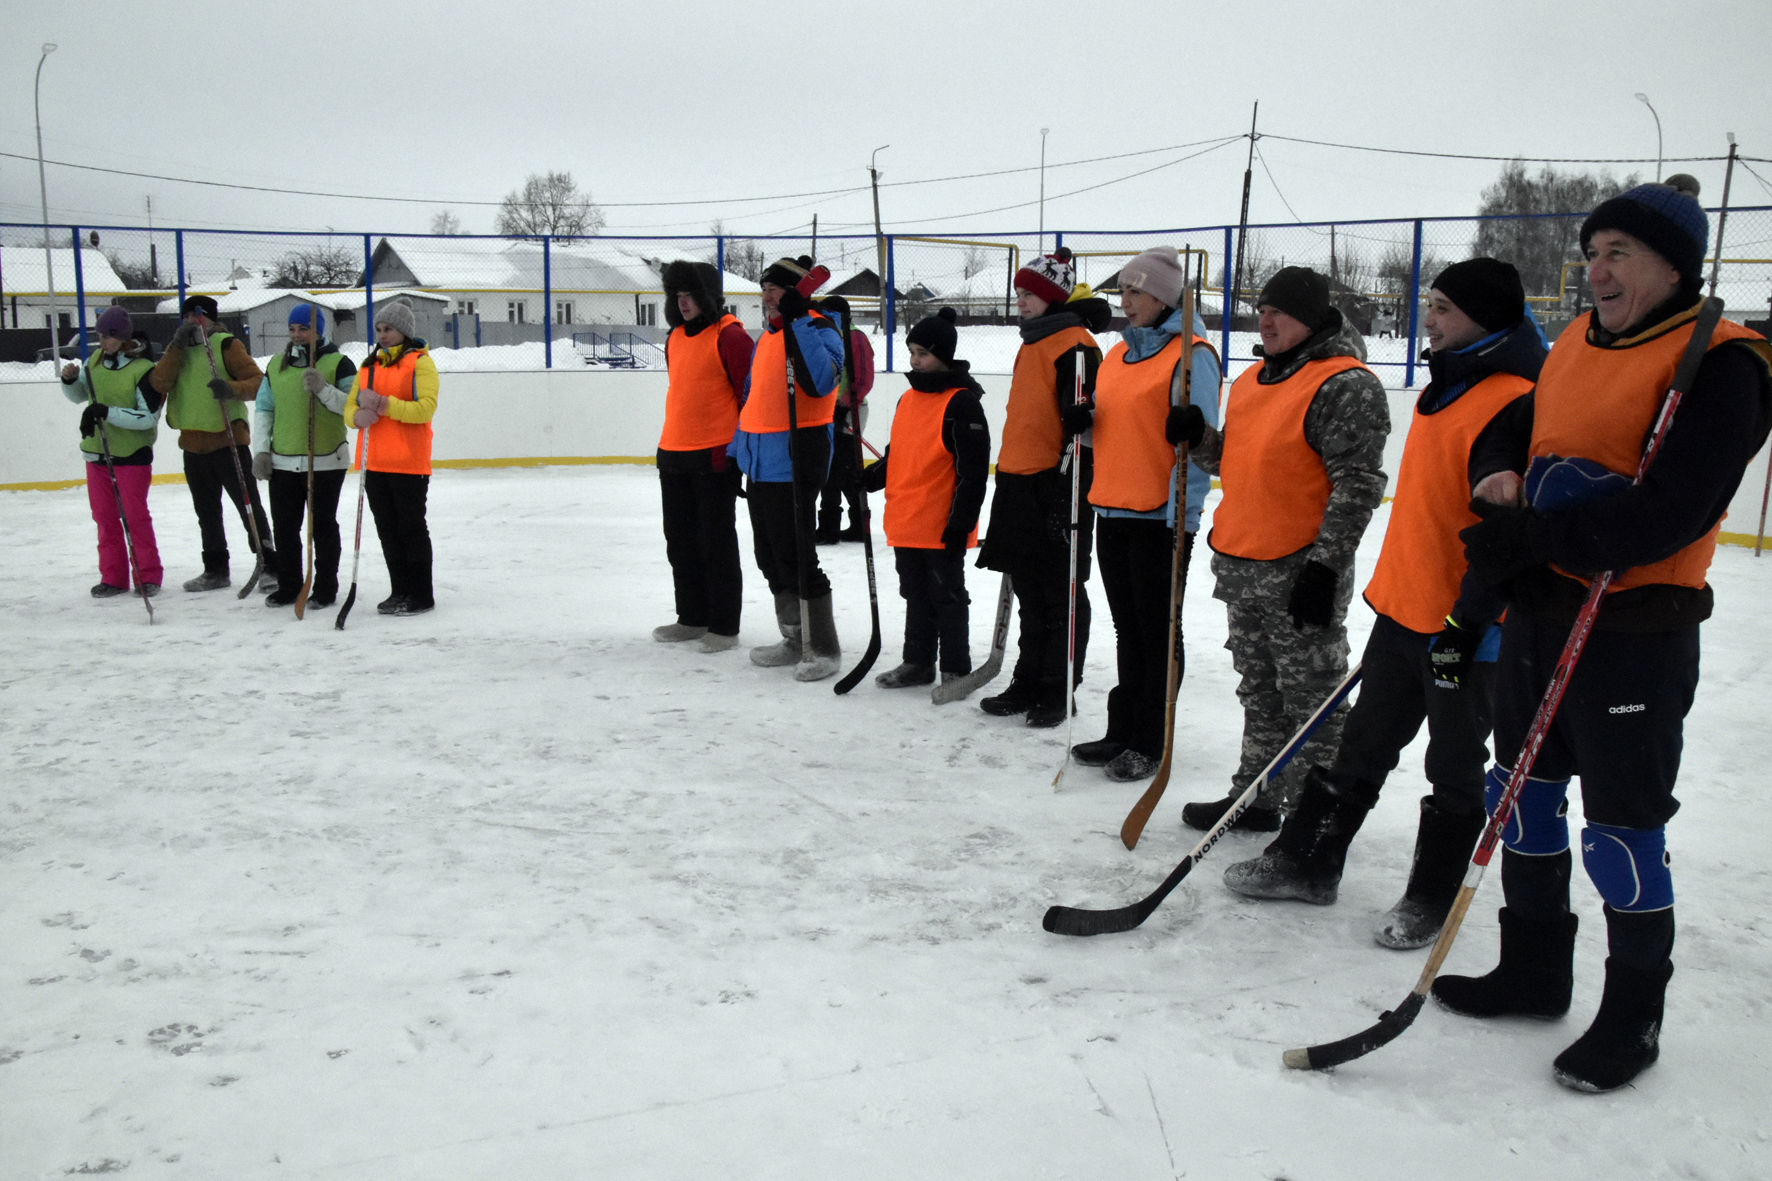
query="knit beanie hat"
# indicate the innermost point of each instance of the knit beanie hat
(202, 304)
(115, 323)
(786, 272)
(937, 334)
(1050, 277)
(1156, 272)
(299, 314)
(1485, 289)
(397, 314)
(1664, 217)
(1301, 293)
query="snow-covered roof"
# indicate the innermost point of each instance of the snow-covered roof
(502, 264)
(22, 272)
(248, 298)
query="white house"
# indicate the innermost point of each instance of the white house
(24, 286)
(266, 311)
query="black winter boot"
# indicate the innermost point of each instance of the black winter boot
(1443, 844)
(1534, 978)
(214, 576)
(1018, 698)
(1305, 861)
(1051, 707)
(1204, 814)
(1625, 1038)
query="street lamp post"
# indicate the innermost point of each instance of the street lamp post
(43, 194)
(1043, 133)
(1644, 99)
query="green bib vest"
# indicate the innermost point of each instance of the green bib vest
(116, 387)
(289, 422)
(190, 406)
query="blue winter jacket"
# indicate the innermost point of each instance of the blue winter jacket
(763, 456)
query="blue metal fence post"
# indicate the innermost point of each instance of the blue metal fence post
(368, 293)
(79, 296)
(720, 253)
(547, 301)
(1225, 305)
(1414, 307)
(178, 250)
(890, 298)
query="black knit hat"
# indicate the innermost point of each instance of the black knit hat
(1485, 289)
(937, 334)
(786, 272)
(199, 303)
(700, 280)
(1664, 217)
(1299, 292)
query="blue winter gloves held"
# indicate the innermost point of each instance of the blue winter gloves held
(1501, 544)
(1185, 424)
(1076, 417)
(1451, 652)
(95, 413)
(1313, 596)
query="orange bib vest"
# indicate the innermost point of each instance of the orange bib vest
(1033, 438)
(1600, 404)
(397, 446)
(1275, 486)
(1422, 560)
(1133, 461)
(701, 407)
(766, 410)
(920, 478)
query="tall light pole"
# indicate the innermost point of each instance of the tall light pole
(1043, 133)
(43, 193)
(1644, 99)
(880, 246)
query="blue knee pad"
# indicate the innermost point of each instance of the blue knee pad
(1538, 825)
(1629, 866)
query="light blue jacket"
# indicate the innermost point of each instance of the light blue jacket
(1204, 383)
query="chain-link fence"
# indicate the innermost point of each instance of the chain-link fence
(490, 303)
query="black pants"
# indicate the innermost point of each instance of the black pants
(1397, 693)
(397, 501)
(210, 474)
(843, 484)
(1136, 556)
(701, 539)
(289, 502)
(780, 542)
(933, 585)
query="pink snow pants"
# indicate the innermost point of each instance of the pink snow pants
(113, 558)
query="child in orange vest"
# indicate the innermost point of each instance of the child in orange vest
(934, 490)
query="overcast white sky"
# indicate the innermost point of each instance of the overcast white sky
(646, 104)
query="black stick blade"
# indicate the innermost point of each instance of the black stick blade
(350, 600)
(1386, 1030)
(258, 569)
(853, 677)
(1074, 920)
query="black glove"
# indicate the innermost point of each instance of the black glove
(1076, 417)
(223, 391)
(188, 336)
(954, 539)
(1500, 545)
(1184, 424)
(1450, 654)
(793, 305)
(95, 413)
(873, 476)
(1313, 596)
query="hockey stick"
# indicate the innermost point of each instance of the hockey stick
(1133, 826)
(248, 492)
(1075, 459)
(307, 585)
(853, 677)
(362, 478)
(803, 545)
(1075, 920)
(962, 687)
(104, 446)
(1391, 1024)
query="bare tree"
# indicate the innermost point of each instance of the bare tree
(135, 275)
(317, 266)
(977, 259)
(743, 256)
(1537, 244)
(548, 203)
(444, 221)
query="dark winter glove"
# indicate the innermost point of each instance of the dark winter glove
(1450, 653)
(188, 336)
(1076, 418)
(222, 389)
(793, 305)
(312, 382)
(95, 413)
(1185, 424)
(954, 539)
(1313, 596)
(262, 466)
(1500, 545)
(873, 476)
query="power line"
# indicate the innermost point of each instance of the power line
(1322, 143)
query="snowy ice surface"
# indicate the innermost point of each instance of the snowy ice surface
(509, 890)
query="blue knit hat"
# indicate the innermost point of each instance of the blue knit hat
(1664, 217)
(299, 315)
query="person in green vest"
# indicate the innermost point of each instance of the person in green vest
(122, 414)
(206, 403)
(307, 383)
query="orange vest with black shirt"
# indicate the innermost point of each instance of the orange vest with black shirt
(1275, 485)
(766, 409)
(920, 478)
(1033, 437)
(701, 407)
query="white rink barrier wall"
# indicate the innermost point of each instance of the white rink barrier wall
(530, 419)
